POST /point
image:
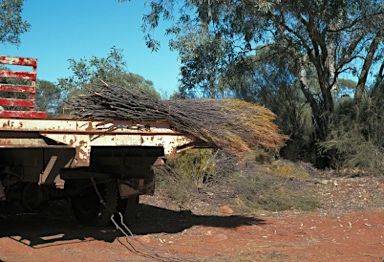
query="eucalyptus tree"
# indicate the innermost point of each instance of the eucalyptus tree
(203, 57)
(334, 37)
(110, 69)
(85, 71)
(11, 22)
(48, 97)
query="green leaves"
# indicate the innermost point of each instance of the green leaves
(86, 71)
(11, 23)
(111, 69)
(48, 97)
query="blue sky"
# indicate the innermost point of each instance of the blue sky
(85, 28)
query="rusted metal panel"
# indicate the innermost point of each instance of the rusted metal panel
(83, 135)
(95, 128)
(23, 114)
(17, 88)
(83, 143)
(22, 142)
(13, 60)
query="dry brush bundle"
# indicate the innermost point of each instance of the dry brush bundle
(230, 124)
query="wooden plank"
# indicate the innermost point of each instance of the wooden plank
(21, 75)
(17, 102)
(13, 60)
(17, 88)
(25, 103)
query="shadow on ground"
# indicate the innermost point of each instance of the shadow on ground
(57, 226)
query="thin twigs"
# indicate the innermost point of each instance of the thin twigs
(230, 124)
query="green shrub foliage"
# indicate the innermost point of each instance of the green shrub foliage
(357, 142)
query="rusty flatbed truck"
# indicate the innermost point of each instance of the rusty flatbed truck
(81, 160)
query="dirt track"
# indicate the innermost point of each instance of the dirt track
(352, 234)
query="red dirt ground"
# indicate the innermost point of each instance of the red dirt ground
(352, 233)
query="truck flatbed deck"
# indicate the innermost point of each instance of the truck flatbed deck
(82, 135)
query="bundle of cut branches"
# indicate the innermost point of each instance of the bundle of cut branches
(230, 124)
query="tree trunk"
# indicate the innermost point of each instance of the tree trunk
(320, 124)
(333, 83)
(212, 87)
(360, 88)
(377, 90)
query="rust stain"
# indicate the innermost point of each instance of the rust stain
(89, 127)
(5, 142)
(82, 154)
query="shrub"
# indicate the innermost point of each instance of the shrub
(251, 185)
(288, 169)
(357, 143)
(184, 176)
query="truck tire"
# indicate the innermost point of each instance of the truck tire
(33, 197)
(87, 207)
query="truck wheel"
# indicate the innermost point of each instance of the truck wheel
(33, 197)
(129, 208)
(87, 207)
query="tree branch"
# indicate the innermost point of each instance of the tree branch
(371, 17)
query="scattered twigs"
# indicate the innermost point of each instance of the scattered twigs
(230, 124)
